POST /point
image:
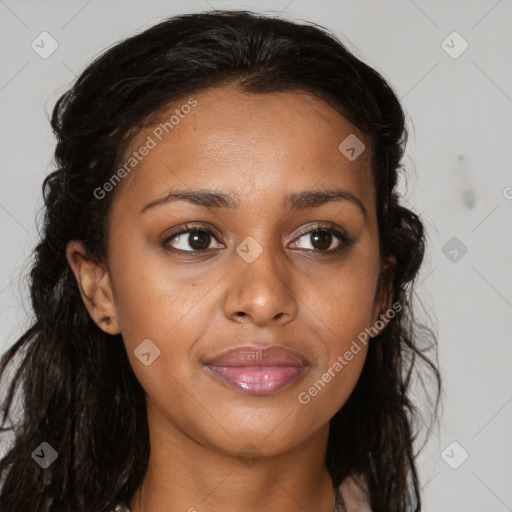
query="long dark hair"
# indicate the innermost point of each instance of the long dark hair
(77, 389)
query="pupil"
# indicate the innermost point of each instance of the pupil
(199, 240)
(201, 237)
(322, 237)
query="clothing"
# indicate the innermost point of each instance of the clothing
(351, 499)
(123, 508)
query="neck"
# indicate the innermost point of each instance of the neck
(185, 475)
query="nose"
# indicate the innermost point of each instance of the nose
(261, 291)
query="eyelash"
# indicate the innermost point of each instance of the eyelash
(343, 238)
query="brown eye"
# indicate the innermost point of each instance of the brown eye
(191, 240)
(199, 240)
(324, 240)
(321, 239)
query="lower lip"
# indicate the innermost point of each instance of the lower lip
(257, 380)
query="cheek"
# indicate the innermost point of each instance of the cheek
(146, 295)
(172, 315)
(345, 303)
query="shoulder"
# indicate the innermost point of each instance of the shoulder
(354, 492)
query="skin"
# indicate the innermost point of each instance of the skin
(260, 148)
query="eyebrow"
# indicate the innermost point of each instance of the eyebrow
(301, 200)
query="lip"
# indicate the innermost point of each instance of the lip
(258, 370)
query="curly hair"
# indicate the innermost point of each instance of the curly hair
(77, 389)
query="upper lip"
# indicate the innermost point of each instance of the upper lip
(252, 355)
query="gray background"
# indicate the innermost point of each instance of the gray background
(459, 179)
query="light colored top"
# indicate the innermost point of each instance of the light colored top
(352, 495)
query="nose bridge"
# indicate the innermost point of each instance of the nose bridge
(260, 286)
(260, 257)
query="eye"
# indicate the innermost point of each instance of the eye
(196, 237)
(325, 239)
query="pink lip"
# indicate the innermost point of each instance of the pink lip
(256, 370)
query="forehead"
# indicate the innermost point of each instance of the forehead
(248, 145)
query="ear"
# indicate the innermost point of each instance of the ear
(94, 285)
(383, 295)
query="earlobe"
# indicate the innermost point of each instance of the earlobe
(94, 284)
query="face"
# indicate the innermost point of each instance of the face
(265, 265)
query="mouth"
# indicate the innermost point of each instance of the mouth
(256, 370)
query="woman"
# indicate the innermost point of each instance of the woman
(222, 289)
